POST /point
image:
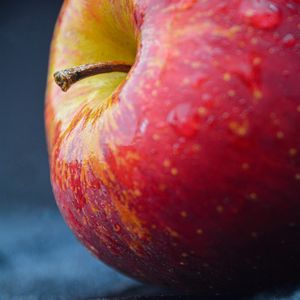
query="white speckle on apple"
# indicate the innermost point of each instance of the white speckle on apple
(280, 135)
(239, 129)
(245, 166)
(199, 231)
(231, 93)
(156, 137)
(257, 94)
(293, 152)
(253, 196)
(226, 76)
(220, 209)
(183, 214)
(174, 171)
(256, 61)
(202, 111)
(167, 163)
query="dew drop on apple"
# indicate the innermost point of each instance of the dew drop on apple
(262, 14)
(184, 120)
(289, 40)
(143, 126)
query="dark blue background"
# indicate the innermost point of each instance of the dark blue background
(39, 257)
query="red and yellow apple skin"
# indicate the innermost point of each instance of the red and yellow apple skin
(186, 171)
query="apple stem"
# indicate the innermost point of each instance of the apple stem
(67, 77)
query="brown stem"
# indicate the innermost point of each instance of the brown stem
(67, 77)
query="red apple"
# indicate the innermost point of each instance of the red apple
(185, 172)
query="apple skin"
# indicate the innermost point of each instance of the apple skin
(186, 172)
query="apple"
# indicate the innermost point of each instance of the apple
(178, 162)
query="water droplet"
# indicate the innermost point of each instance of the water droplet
(289, 40)
(144, 126)
(184, 120)
(262, 14)
(291, 7)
